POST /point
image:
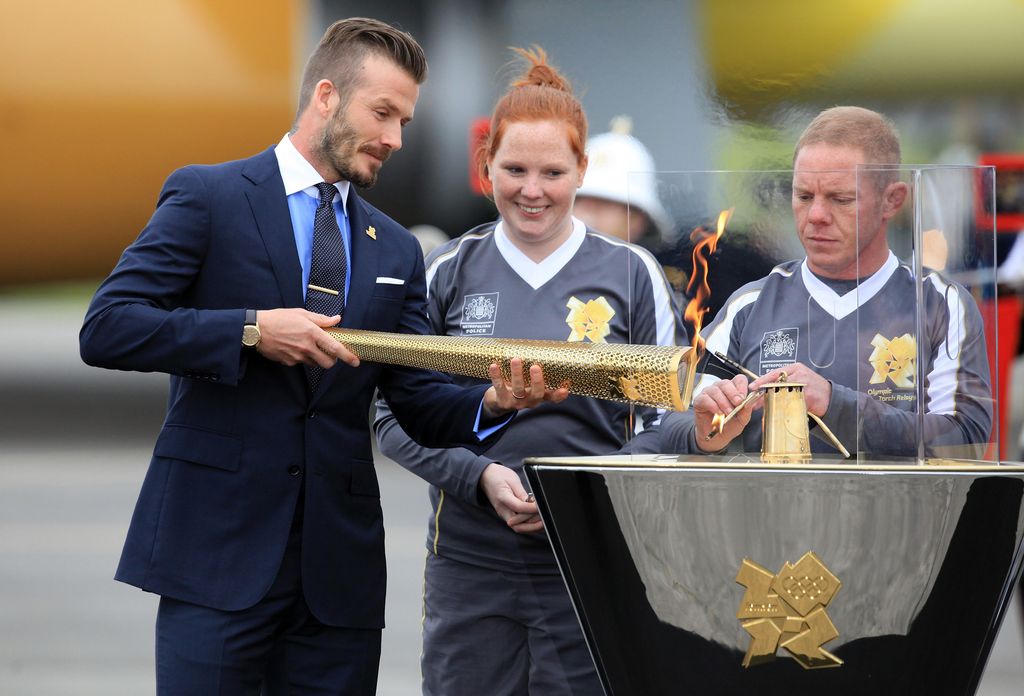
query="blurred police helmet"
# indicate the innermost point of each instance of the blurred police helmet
(620, 169)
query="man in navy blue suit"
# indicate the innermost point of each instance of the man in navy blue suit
(259, 520)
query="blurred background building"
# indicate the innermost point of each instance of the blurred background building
(100, 101)
(114, 95)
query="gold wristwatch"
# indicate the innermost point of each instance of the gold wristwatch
(251, 330)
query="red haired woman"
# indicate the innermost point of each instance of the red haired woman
(497, 617)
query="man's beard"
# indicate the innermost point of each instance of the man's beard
(338, 147)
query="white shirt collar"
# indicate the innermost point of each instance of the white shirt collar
(299, 175)
(536, 274)
(840, 307)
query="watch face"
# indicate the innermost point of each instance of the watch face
(250, 335)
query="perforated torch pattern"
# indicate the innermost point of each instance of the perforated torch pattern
(642, 374)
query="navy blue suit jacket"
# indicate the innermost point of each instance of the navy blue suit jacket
(242, 432)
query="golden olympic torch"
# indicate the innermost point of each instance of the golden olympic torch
(659, 376)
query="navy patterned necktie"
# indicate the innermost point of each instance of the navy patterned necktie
(328, 268)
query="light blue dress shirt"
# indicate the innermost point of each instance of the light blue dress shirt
(300, 179)
(302, 208)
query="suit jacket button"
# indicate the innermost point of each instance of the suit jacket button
(294, 470)
(312, 414)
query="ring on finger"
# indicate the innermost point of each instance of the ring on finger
(518, 396)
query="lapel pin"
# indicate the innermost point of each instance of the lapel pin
(371, 232)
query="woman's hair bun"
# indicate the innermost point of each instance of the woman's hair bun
(540, 73)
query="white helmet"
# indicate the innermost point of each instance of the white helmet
(621, 169)
(429, 237)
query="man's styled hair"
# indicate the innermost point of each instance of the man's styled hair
(853, 126)
(345, 45)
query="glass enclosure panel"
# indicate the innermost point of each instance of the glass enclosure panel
(923, 345)
(878, 282)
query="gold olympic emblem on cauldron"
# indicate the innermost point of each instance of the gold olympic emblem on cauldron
(787, 610)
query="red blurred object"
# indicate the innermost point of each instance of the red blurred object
(1007, 312)
(1008, 215)
(478, 132)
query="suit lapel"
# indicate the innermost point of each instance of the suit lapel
(364, 262)
(270, 209)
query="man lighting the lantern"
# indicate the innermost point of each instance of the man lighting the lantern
(850, 296)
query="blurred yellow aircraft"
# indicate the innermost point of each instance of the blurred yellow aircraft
(100, 101)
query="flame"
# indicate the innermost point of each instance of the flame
(704, 245)
(717, 423)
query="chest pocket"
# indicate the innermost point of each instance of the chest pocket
(388, 291)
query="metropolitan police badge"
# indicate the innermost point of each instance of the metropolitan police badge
(478, 314)
(778, 348)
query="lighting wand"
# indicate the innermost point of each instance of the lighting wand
(720, 426)
(733, 364)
